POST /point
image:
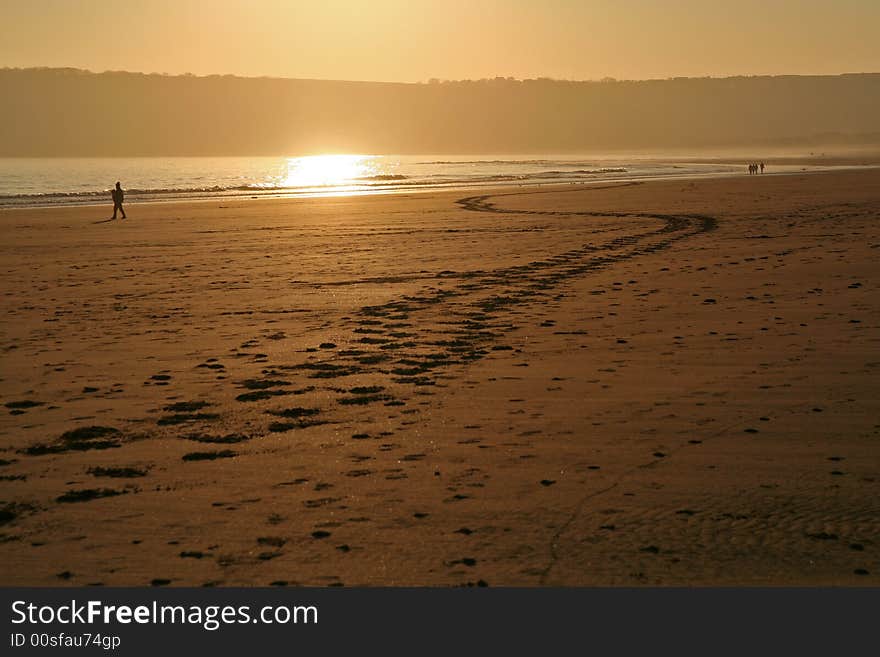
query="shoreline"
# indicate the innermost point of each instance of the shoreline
(819, 164)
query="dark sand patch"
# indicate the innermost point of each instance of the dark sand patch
(25, 403)
(226, 439)
(88, 494)
(209, 456)
(80, 439)
(259, 395)
(186, 406)
(118, 473)
(182, 418)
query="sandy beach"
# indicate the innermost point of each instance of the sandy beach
(666, 383)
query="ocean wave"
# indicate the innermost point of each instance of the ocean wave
(533, 162)
(510, 162)
(128, 192)
(384, 176)
(577, 172)
(377, 182)
(132, 193)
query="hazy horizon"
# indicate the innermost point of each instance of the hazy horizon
(431, 81)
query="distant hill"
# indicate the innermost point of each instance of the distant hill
(68, 112)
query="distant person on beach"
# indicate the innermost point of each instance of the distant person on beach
(762, 167)
(118, 196)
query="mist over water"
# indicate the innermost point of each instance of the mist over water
(50, 181)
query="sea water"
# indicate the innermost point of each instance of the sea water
(49, 181)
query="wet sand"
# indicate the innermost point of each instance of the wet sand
(668, 383)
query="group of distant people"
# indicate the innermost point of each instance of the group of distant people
(754, 169)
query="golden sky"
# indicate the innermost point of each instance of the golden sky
(414, 40)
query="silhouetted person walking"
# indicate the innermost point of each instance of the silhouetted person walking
(118, 196)
(762, 167)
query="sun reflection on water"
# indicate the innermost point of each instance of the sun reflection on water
(328, 170)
